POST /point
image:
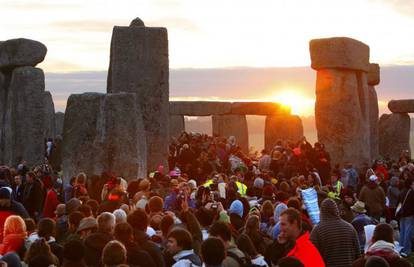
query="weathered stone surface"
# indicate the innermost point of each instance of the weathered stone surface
(282, 127)
(177, 125)
(374, 74)
(139, 64)
(258, 108)
(394, 134)
(21, 52)
(3, 98)
(199, 108)
(104, 133)
(341, 112)
(59, 120)
(339, 52)
(232, 125)
(373, 122)
(401, 106)
(24, 119)
(137, 22)
(50, 126)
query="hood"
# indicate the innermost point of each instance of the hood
(329, 210)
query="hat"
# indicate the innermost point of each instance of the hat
(236, 207)
(373, 178)
(5, 193)
(359, 207)
(87, 223)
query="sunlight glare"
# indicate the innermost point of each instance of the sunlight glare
(299, 104)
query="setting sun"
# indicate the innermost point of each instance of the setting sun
(299, 104)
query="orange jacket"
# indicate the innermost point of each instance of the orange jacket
(306, 252)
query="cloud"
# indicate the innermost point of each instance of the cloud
(405, 7)
(174, 23)
(85, 25)
(38, 5)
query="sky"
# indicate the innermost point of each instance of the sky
(216, 41)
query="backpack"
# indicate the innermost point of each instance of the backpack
(242, 261)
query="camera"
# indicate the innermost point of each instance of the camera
(214, 206)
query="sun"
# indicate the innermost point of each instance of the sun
(299, 104)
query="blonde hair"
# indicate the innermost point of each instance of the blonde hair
(14, 225)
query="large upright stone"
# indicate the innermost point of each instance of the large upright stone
(104, 133)
(282, 127)
(3, 97)
(139, 64)
(374, 74)
(21, 52)
(394, 134)
(342, 106)
(177, 125)
(373, 78)
(232, 125)
(24, 119)
(50, 126)
(59, 120)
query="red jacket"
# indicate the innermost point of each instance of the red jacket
(306, 252)
(51, 203)
(12, 243)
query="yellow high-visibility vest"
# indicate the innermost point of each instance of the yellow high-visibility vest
(241, 188)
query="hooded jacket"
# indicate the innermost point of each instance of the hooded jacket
(336, 240)
(374, 198)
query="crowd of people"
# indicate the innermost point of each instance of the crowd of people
(213, 206)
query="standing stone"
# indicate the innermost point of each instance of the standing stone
(232, 125)
(342, 106)
(177, 125)
(59, 120)
(139, 64)
(282, 127)
(104, 133)
(50, 126)
(21, 52)
(373, 79)
(394, 134)
(24, 119)
(2, 113)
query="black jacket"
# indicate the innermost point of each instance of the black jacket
(153, 250)
(94, 245)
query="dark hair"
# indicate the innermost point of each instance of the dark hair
(294, 202)
(213, 251)
(220, 229)
(86, 210)
(30, 224)
(383, 231)
(292, 216)
(183, 238)
(166, 223)
(204, 216)
(46, 228)
(94, 205)
(245, 244)
(114, 253)
(75, 218)
(138, 219)
(290, 262)
(123, 232)
(73, 250)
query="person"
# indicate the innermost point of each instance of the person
(18, 188)
(33, 195)
(213, 252)
(360, 221)
(46, 229)
(393, 194)
(374, 197)
(383, 246)
(138, 220)
(291, 230)
(136, 256)
(114, 254)
(264, 161)
(95, 243)
(52, 200)
(245, 244)
(234, 256)
(14, 236)
(39, 254)
(335, 239)
(179, 244)
(74, 254)
(406, 216)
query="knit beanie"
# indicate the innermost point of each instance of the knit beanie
(155, 204)
(236, 207)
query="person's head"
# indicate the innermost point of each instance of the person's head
(94, 205)
(73, 251)
(5, 197)
(294, 202)
(252, 224)
(290, 262)
(114, 253)
(124, 233)
(81, 178)
(30, 225)
(179, 239)
(138, 219)
(30, 176)
(213, 251)
(290, 224)
(106, 222)
(46, 228)
(74, 219)
(245, 244)
(120, 216)
(15, 225)
(166, 223)
(39, 247)
(87, 226)
(376, 261)
(384, 232)
(86, 210)
(17, 180)
(60, 210)
(221, 230)
(267, 208)
(155, 204)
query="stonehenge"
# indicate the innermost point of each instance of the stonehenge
(104, 132)
(232, 125)
(282, 127)
(373, 79)
(342, 98)
(394, 134)
(139, 64)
